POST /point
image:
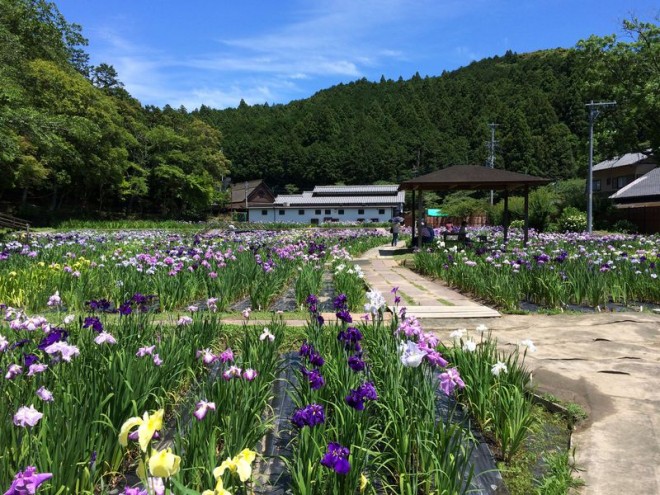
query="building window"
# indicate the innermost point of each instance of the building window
(317, 212)
(621, 181)
(264, 212)
(340, 212)
(327, 212)
(314, 221)
(597, 185)
(301, 212)
(361, 212)
(281, 212)
(381, 211)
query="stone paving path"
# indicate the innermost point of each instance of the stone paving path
(421, 296)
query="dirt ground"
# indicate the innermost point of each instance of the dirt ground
(609, 363)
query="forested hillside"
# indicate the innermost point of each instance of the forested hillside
(393, 130)
(74, 142)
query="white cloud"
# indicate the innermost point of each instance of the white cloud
(331, 41)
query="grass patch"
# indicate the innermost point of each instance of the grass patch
(544, 465)
(268, 315)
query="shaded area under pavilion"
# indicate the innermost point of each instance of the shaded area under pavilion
(474, 177)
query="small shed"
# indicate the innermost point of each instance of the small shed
(475, 177)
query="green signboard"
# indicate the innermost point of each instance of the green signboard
(435, 212)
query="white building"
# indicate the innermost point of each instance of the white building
(333, 204)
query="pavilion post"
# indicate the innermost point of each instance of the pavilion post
(526, 232)
(421, 219)
(506, 215)
(413, 215)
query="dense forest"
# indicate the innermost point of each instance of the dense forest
(74, 142)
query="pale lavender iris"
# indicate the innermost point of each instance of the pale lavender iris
(65, 350)
(105, 338)
(411, 354)
(144, 351)
(36, 368)
(45, 395)
(27, 416)
(13, 371)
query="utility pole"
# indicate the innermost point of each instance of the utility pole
(594, 111)
(491, 153)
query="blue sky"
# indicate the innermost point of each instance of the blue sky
(217, 52)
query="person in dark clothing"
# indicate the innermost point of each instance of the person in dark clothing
(462, 232)
(395, 228)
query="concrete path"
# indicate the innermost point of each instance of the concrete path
(422, 297)
(609, 363)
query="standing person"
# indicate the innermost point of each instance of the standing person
(394, 229)
(462, 232)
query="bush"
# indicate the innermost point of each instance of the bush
(517, 224)
(624, 227)
(572, 220)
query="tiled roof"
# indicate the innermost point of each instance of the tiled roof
(382, 190)
(646, 185)
(622, 161)
(238, 190)
(356, 200)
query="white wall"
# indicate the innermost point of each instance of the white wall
(291, 214)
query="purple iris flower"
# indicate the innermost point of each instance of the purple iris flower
(29, 359)
(356, 363)
(55, 335)
(312, 300)
(125, 309)
(100, 305)
(449, 380)
(357, 397)
(345, 316)
(18, 343)
(311, 415)
(94, 323)
(350, 337)
(27, 482)
(307, 351)
(368, 391)
(336, 458)
(316, 380)
(340, 302)
(355, 400)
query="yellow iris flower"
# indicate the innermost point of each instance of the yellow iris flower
(219, 489)
(164, 463)
(241, 464)
(363, 482)
(147, 426)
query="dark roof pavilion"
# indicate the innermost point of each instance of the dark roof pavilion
(474, 177)
(471, 177)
